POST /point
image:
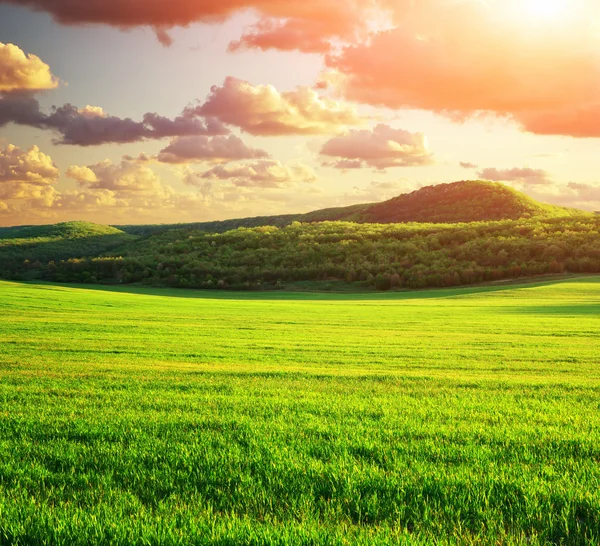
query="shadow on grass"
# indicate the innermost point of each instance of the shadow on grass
(400, 295)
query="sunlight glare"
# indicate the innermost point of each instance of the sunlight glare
(546, 9)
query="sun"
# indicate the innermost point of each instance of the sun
(546, 9)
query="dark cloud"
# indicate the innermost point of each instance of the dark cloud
(91, 126)
(306, 25)
(22, 109)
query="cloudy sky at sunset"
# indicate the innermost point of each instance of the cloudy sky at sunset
(124, 111)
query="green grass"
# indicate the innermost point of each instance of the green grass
(176, 417)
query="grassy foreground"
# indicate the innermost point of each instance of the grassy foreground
(169, 417)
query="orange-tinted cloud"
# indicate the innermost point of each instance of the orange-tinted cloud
(262, 110)
(91, 126)
(21, 72)
(302, 20)
(219, 149)
(523, 175)
(380, 148)
(261, 174)
(461, 58)
(576, 120)
(292, 34)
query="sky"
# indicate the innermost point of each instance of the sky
(128, 112)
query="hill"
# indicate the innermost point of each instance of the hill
(469, 201)
(336, 254)
(466, 201)
(490, 233)
(26, 247)
(66, 230)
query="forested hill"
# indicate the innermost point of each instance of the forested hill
(28, 246)
(505, 235)
(66, 230)
(470, 201)
(467, 201)
(315, 255)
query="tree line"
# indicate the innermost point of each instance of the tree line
(382, 256)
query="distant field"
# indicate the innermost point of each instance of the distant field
(168, 417)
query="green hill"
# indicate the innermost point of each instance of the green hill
(24, 247)
(446, 235)
(467, 201)
(66, 230)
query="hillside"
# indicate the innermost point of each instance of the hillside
(505, 235)
(66, 230)
(467, 201)
(359, 255)
(25, 247)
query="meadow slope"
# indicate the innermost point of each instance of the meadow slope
(165, 417)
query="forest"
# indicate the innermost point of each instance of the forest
(380, 256)
(440, 236)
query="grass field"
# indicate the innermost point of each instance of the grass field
(170, 417)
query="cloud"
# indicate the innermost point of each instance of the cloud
(125, 178)
(461, 58)
(292, 34)
(27, 174)
(21, 72)
(124, 192)
(380, 148)
(525, 175)
(31, 166)
(285, 24)
(467, 165)
(27, 179)
(219, 149)
(128, 192)
(346, 164)
(262, 110)
(22, 109)
(91, 126)
(163, 36)
(586, 196)
(573, 194)
(576, 120)
(262, 174)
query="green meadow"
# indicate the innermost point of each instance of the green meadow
(161, 417)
